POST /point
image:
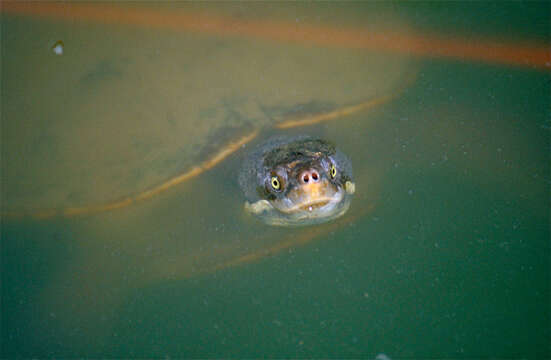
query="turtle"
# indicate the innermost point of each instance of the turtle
(125, 141)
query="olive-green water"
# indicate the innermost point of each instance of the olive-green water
(445, 252)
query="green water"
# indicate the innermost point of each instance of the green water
(453, 260)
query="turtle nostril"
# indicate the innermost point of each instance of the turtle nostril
(314, 175)
(308, 176)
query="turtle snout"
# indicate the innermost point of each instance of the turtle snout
(309, 176)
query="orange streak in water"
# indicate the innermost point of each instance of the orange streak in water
(530, 55)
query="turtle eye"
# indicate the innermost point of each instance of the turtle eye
(276, 183)
(333, 171)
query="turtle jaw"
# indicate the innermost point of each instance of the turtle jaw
(304, 205)
(310, 197)
(312, 212)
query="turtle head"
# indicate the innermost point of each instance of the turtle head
(305, 182)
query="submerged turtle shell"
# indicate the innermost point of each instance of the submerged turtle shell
(124, 110)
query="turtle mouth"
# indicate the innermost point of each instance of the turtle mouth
(314, 205)
(308, 211)
(312, 197)
(310, 205)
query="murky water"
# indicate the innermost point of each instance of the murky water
(444, 252)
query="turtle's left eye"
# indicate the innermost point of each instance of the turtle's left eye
(333, 171)
(276, 183)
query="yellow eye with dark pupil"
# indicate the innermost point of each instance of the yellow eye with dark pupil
(275, 183)
(333, 171)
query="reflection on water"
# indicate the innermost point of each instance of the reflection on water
(447, 236)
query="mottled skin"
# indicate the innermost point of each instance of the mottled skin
(297, 181)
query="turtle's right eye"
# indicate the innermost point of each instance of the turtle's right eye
(276, 183)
